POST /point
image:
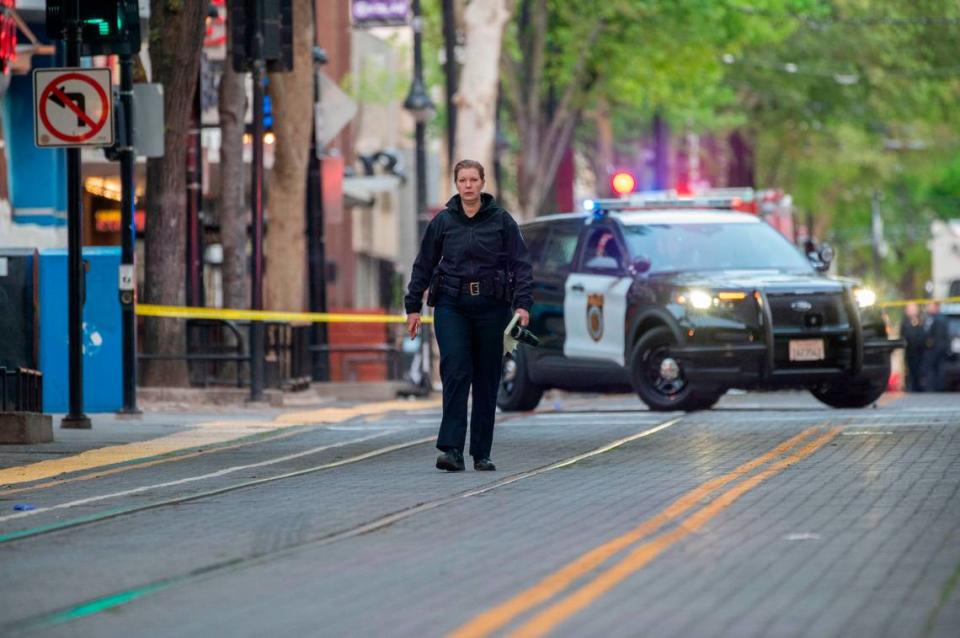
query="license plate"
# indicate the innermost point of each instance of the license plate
(806, 350)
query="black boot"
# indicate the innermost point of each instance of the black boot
(484, 465)
(451, 461)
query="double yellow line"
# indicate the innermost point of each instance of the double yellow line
(554, 585)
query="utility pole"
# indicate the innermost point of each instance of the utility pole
(128, 238)
(76, 277)
(420, 106)
(450, 70)
(117, 31)
(259, 37)
(316, 242)
(194, 283)
(256, 193)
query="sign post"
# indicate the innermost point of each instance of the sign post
(73, 109)
(78, 121)
(128, 238)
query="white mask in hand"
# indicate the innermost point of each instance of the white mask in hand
(509, 343)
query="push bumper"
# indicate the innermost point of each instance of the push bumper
(752, 366)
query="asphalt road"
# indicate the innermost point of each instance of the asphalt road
(768, 516)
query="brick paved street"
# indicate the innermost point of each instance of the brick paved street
(767, 516)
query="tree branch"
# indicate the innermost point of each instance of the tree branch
(574, 89)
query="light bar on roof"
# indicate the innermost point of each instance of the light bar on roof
(723, 198)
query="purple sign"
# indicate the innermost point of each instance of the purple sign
(370, 13)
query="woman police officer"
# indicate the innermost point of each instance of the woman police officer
(476, 266)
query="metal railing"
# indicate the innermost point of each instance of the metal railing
(218, 354)
(21, 390)
(300, 347)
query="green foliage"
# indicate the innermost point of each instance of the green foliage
(867, 108)
(840, 99)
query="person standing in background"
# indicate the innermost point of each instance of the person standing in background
(911, 330)
(936, 349)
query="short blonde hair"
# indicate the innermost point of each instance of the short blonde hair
(467, 163)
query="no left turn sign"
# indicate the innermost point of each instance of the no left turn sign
(72, 107)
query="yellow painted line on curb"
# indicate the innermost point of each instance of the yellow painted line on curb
(546, 620)
(185, 312)
(201, 435)
(137, 466)
(556, 582)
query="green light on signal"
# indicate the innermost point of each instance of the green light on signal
(102, 26)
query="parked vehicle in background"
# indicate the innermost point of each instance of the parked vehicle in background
(951, 313)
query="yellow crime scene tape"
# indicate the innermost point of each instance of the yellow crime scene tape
(920, 302)
(184, 312)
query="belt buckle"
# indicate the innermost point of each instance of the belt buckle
(474, 288)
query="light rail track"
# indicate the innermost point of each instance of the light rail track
(103, 603)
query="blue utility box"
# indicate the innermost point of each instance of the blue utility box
(102, 331)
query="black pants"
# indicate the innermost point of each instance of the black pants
(470, 335)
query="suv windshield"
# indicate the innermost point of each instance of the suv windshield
(709, 246)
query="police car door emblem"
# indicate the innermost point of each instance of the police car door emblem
(595, 316)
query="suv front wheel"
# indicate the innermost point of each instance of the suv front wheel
(855, 392)
(660, 381)
(517, 392)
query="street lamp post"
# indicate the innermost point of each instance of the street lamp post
(420, 106)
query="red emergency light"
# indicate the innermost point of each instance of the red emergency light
(623, 183)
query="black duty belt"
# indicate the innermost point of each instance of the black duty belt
(482, 286)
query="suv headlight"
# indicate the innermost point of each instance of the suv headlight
(700, 299)
(865, 297)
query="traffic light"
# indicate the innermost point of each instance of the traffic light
(276, 25)
(107, 27)
(267, 113)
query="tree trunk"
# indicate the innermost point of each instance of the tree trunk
(477, 101)
(603, 156)
(742, 172)
(176, 35)
(544, 134)
(291, 94)
(233, 210)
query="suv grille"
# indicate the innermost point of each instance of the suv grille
(808, 312)
(810, 316)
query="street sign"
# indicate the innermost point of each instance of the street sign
(72, 107)
(334, 111)
(380, 13)
(148, 127)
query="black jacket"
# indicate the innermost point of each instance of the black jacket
(470, 249)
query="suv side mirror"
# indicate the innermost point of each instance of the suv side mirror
(641, 265)
(826, 253)
(821, 257)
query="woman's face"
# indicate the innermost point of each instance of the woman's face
(469, 184)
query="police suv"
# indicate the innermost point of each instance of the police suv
(682, 299)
